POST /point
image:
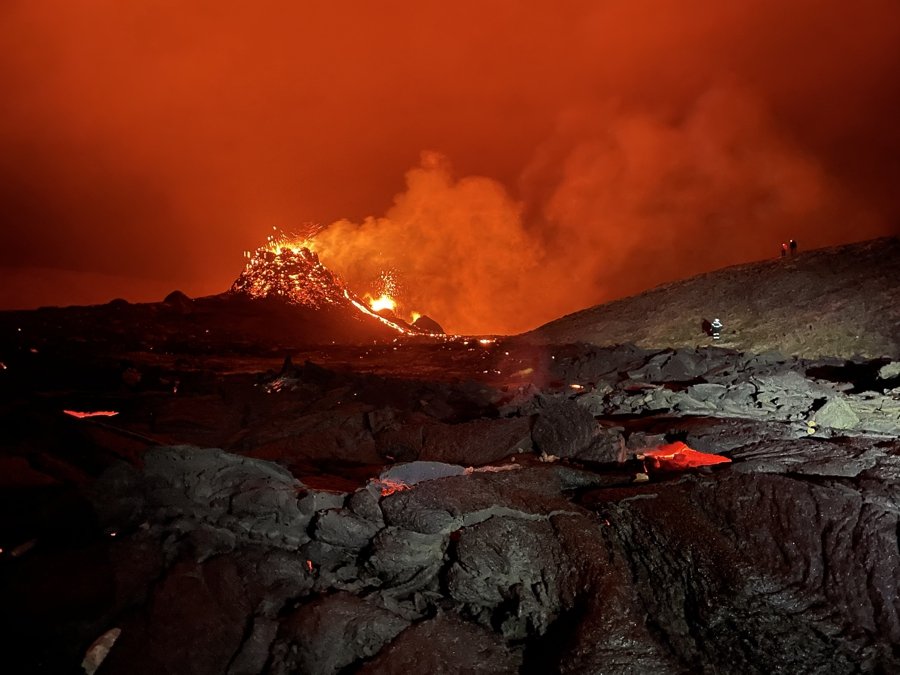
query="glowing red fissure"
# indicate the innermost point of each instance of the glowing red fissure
(91, 413)
(678, 456)
(389, 486)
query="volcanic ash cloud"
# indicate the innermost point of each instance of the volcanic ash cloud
(616, 201)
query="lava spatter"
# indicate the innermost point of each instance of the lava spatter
(293, 272)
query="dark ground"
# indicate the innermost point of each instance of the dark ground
(841, 301)
(241, 514)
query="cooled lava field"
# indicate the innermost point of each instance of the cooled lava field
(223, 485)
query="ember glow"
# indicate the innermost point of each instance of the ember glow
(292, 271)
(388, 486)
(678, 456)
(382, 303)
(365, 310)
(91, 413)
(289, 268)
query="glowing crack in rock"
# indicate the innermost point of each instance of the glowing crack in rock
(388, 486)
(92, 413)
(365, 310)
(678, 456)
(384, 302)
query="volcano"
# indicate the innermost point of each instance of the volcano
(296, 275)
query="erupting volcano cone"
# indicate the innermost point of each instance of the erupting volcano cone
(295, 275)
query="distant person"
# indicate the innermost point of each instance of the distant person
(716, 329)
(793, 247)
(784, 249)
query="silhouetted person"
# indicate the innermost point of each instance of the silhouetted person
(793, 247)
(784, 249)
(716, 328)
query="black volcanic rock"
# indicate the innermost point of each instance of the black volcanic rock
(307, 638)
(195, 622)
(508, 574)
(807, 305)
(179, 302)
(477, 442)
(306, 544)
(405, 561)
(564, 429)
(802, 596)
(445, 645)
(426, 324)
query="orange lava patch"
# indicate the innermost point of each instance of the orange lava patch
(92, 413)
(678, 457)
(389, 487)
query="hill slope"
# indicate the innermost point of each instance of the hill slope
(841, 301)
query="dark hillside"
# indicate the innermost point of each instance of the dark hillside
(841, 301)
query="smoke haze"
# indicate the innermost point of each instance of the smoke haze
(553, 158)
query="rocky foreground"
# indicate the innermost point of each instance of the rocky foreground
(352, 523)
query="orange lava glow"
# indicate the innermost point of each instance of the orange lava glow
(289, 268)
(365, 310)
(389, 486)
(92, 413)
(678, 456)
(383, 302)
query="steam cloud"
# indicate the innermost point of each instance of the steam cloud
(615, 201)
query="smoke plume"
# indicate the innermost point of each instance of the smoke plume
(615, 201)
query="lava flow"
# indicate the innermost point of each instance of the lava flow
(382, 303)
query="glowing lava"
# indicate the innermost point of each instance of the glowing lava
(92, 413)
(389, 486)
(678, 456)
(288, 267)
(294, 274)
(384, 302)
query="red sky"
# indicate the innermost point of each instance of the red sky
(511, 161)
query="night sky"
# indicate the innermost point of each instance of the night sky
(509, 161)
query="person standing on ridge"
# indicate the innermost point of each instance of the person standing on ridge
(784, 249)
(793, 246)
(716, 329)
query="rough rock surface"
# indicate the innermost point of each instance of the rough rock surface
(358, 523)
(445, 645)
(841, 301)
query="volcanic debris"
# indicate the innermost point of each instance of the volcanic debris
(295, 275)
(370, 524)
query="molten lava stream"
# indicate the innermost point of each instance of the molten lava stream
(384, 302)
